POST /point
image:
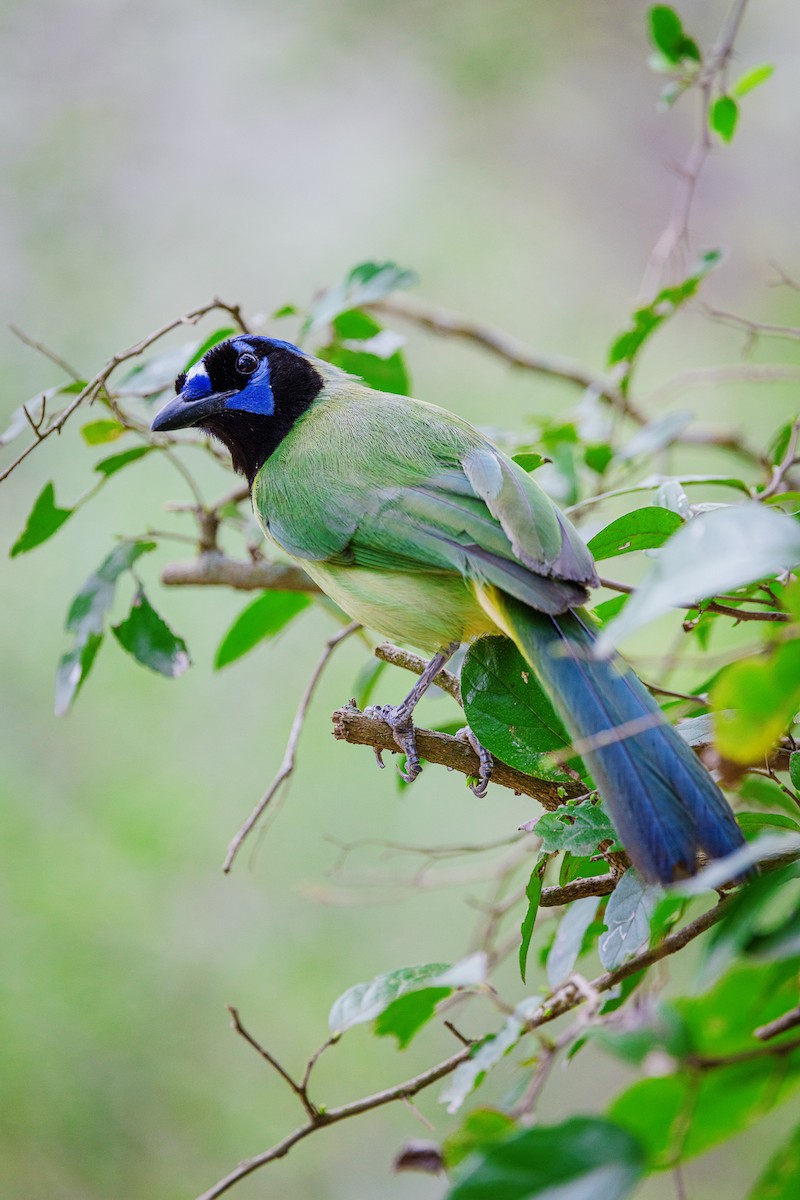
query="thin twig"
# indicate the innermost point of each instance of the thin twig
(96, 384)
(288, 764)
(789, 1020)
(40, 348)
(740, 614)
(298, 1088)
(397, 657)
(563, 1001)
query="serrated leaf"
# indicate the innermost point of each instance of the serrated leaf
(110, 466)
(628, 912)
(578, 828)
(643, 529)
(96, 433)
(45, 519)
(566, 947)
(712, 553)
(73, 668)
(147, 638)
(507, 709)
(754, 701)
(723, 116)
(263, 618)
(584, 1158)
(752, 79)
(533, 894)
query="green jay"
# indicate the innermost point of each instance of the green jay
(423, 530)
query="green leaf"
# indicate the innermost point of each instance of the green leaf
(45, 519)
(149, 376)
(568, 942)
(73, 668)
(365, 284)
(754, 701)
(110, 466)
(678, 1116)
(606, 610)
(578, 828)
(148, 639)
(752, 79)
(669, 37)
(794, 769)
(781, 1178)
(480, 1128)
(366, 681)
(628, 912)
(752, 927)
(529, 461)
(642, 529)
(712, 553)
(584, 1158)
(263, 618)
(362, 347)
(533, 894)
(753, 824)
(645, 321)
(485, 1055)
(98, 432)
(366, 1001)
(507, 709)
(406, 1015)
(723, 116)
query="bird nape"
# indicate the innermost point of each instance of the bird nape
(420, 528)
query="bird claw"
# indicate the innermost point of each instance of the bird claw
(399, 721)
(484, 757)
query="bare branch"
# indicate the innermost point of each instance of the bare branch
(351, 725)
(578, 889)
(40, 348)
(789, 1020)
(288, 764)
(299, 1089)
(215, 570)
(397, 657)
(97, 384)
(739, 614)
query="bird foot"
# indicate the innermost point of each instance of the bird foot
(486, 761)
(399, 721)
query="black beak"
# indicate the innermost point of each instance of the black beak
(180, 413)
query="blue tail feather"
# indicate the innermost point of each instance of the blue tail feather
(664, 804)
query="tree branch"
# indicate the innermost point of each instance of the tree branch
(216, 570)
(351, 725)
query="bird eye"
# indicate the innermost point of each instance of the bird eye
(180, 383)
(246, 363)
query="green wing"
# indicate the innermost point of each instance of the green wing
(396, 485)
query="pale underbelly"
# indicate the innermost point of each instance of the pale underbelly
(428, 611)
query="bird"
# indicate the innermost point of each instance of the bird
(423, 530)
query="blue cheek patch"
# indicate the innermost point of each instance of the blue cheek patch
(256, 397)
(196, 387)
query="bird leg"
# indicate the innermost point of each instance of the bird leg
(399, 716)
(484, 758)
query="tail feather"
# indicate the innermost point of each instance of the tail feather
(664, 804)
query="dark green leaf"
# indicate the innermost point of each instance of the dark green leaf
(723, 116)
(148, 638)
(578, 828)
(628, 912)
(752, 79)
(584, 1158)
(110, 466)
(263, 618)
(98, 432)
(642, 529)
(712, 553)
(480, 1128)
(598, 458)
(606, 610)
(755, 700)
(533, 894)
(781, 1179)
(568, 943)
(669, 37)
(794, 769)
(406, 1015)
(44, 520)
(507, 709)
(579, 866)
(73, 668)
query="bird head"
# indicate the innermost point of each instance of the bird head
(247, 392)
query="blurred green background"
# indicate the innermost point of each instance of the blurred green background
(154, 155)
